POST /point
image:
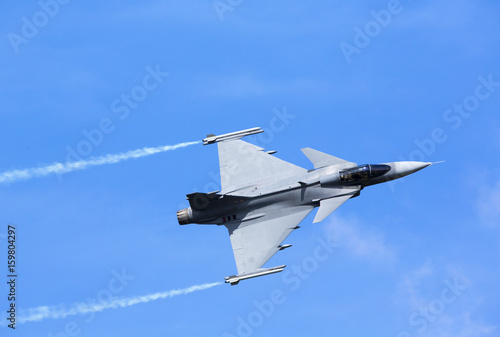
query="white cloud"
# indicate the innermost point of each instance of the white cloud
(488, 204)
(461, 326)
(410, 285)
(358, 240)
(419, 286)
(440, 303)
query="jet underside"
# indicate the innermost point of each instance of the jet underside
(263, 198)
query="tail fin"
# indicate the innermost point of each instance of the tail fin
(320, 159)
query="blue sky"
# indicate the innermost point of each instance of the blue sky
(369, 83)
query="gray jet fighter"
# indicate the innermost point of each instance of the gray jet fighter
(263, 198)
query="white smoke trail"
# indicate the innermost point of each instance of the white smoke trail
(60, 168)
(44, 312)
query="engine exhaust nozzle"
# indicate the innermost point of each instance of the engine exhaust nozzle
(183, 216)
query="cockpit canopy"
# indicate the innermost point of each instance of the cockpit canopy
(363, 172)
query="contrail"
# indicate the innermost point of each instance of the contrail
(60, 168)
(44, 312)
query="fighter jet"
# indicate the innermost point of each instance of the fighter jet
(263, 198)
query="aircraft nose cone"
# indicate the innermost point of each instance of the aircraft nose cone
(405, 168)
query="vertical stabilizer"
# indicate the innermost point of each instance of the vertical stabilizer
(320, 159)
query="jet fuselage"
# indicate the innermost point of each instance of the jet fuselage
(308, 189)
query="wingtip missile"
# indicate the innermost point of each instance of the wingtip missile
(235, 279)
(212, 139)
